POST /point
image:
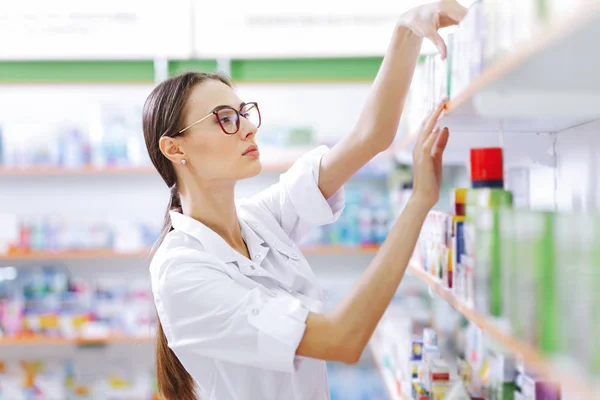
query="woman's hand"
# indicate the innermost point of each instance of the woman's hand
(425, 20)
(427, 158)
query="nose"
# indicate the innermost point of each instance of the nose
(247, 129)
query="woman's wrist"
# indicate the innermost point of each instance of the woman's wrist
(419, 204)
(404, 29)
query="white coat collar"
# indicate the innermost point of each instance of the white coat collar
(212, 242)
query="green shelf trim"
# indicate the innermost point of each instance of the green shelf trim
(76, 71)
(177, 67)
(322, 69)
(142, 71)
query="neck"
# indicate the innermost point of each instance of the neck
(212, 203)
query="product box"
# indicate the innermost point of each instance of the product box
(577, 255)
(508, 262)
(534, 388)
(483, 207)
(455, 244)
(416, 349)
(594, 279)
(419, 393)
(458, 199)
(534, 316)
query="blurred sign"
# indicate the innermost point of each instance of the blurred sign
(107, 29)
(308, 28)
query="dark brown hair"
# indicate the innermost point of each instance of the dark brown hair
(163, 116)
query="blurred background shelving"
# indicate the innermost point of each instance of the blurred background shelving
(80, 204)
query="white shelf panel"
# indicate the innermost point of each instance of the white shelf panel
(547, 85)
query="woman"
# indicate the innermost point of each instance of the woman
(240, 310)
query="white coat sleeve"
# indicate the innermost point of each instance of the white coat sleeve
(205, 313)
(296, 201)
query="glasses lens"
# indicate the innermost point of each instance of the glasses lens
(228, 119)
(251, 113)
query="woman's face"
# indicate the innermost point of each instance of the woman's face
(210, 153)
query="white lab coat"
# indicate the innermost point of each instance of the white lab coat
(235, 323)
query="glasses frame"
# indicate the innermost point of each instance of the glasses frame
(215, 112)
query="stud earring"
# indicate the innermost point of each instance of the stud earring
(183, 162)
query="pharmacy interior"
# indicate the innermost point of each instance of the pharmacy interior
(502, 297)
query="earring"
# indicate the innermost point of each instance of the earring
(183, 162)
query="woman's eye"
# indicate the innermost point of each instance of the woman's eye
(225, 120)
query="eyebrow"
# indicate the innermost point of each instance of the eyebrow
(217, 108)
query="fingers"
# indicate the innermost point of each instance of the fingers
(440, 143)
(439, 43)
(434, 116)
(429, 123)
(428, 144)
(436, 143)
(454, 10)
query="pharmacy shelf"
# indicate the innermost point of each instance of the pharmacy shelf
(107, 253)
(67, 255)
(386, 374)
(531, 356)
(89, 170)
(548, 84)
(82, 341)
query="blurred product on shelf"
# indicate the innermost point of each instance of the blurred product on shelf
(295, 140)
(531, 275)
(61, 233)
(50, 302)
(529, 269)
(487, 168)
(577, 283)
(355, 382)
(456, 363)
(482, 250)
(364, 221)
(489, 33)
(109, 136)
(73, 379)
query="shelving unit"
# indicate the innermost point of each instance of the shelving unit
(93, 254)
(390, 381)
(82, 341)
(67, 255)
(531, 356)
(125, 170)
(546, 85)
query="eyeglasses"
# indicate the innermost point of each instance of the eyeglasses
(229, 118)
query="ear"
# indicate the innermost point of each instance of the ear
(171, 148)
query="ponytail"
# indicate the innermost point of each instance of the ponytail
(174, 382)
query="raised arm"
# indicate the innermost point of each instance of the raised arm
(378, 122)
(343, 334)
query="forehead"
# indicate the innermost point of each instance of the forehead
(206, 96)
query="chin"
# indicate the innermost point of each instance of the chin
(251, 171)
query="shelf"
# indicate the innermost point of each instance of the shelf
(67, 255)
(93, 254)
(83, 341)
(89, 170)
(388, 378)
(548, 84)
(531, 356)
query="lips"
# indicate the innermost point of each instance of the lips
(251, 151)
